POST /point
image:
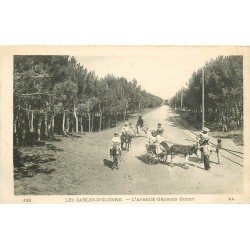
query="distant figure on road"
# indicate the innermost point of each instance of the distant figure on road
(127, 134)
(159, 128)
(139, 125)
(218, 150)
(223, 123)
(132, 129)
(125, 128)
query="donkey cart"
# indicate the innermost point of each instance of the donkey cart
(151, 157)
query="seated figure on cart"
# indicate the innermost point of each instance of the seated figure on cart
(161, 145)
(157, 148)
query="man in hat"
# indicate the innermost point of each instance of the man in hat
(202, 138)
(139, 125)
(206, 154)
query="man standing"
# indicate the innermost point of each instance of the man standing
(201, 138)
(139, 125)
(206, 154)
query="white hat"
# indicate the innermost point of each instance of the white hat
(126, 123)
(205, 129)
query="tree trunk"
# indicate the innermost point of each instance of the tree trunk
(39, 128)
(124, 115)
(67, 125)
(237, 115)
(100, 123)
(89, 122)
(23, 125)
(226, 117)
(63, 123)
(197, 113)
(92, 122)
(52, 125)
(76, 120)
(16, 141)
(46, 125)
(81, 127)
(241, 115)
(109, 121)
(49, 128)
(32, 122)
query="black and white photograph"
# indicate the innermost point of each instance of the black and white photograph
(135, 124)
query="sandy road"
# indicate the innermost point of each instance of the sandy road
(83, 167)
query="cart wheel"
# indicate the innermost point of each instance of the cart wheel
(163, 158)
(152, 160)
(149, 158)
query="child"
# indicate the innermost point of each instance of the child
(115, 140)
(218, 150)
(206, 154)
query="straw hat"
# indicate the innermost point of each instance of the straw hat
(205, 129)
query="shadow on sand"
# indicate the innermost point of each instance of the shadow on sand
(143, 160)
(29, 166)
(191, 163)
(108, 163)
(30, 170)
(52, 147)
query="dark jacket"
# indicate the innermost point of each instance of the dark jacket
(140, 122)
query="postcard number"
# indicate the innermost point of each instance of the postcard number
(27, 200)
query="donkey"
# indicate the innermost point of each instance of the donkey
(126, 139)
(184, 150)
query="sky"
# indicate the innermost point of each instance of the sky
(161, 75)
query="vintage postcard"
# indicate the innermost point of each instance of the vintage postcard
(124, 124)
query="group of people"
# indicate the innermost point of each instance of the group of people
(156, 137)
(203, 145)
(127, 130)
